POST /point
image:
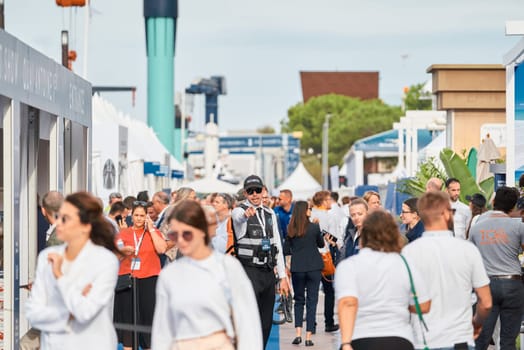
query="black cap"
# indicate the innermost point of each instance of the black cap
(477, 199)
(253, 181)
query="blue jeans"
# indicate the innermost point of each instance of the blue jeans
(508, 298)
(306, 282)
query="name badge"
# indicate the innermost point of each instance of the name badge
(135, 264)
(266, 244)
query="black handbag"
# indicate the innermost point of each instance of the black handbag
(124, 283)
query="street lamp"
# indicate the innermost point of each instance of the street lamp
(325, 149)
(65, 48)
(2, 23)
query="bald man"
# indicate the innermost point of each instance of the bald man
(434, 185)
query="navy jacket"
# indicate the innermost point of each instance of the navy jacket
(304, 252)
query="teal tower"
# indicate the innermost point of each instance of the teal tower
(160, 22)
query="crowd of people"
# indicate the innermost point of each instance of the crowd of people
(201, 273)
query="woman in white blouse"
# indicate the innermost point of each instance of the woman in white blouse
(203, 300)
(71, 299)
(373, 290)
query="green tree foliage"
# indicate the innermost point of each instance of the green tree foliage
(416, 186)
(417, 99)
(313, 166)
(352, 119)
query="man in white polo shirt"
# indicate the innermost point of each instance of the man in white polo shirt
(462, 215)
(451, 268)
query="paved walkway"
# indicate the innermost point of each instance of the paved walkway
(282, 336)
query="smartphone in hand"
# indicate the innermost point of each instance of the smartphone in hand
(330, 236)
(118, 219)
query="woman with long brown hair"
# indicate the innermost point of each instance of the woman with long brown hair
(204, 299)
(373, 290)
(71, 299)
(302, 243)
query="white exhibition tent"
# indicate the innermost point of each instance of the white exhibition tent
(116, 134)
(432, 149)
(301, 183)
(212, 185)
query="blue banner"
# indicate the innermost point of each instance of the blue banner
(519, 121)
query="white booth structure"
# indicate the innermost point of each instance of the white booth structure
(513, 60)
(127, 155)
(45, 113)
(408, 128)
(383, 157)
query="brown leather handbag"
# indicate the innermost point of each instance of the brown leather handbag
(329, 267)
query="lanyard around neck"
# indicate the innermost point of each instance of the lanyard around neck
(138, 242)
(261, 219)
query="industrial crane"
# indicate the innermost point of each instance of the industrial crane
(212, 87)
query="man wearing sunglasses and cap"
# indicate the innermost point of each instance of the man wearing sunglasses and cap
(259, 249)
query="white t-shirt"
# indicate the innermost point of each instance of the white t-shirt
(194, 298)
(380, 282)
(461, 218)
(451, 268)
(328, 222)
(337, 216)
(219, 242)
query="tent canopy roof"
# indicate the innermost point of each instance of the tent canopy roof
(301, 183)
(212, 185)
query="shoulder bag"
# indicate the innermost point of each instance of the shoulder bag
(329, 267)
(124, 282)
(417, 305)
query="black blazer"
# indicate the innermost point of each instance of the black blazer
(304, 250)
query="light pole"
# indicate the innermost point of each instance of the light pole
(2, 23)
(64, 39)
(325, 149)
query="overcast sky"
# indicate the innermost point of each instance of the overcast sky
(261, 46)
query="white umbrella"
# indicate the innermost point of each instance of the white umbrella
(212, 185)
(488, 153)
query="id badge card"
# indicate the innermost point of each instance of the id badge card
(266, 244)
(135, 264)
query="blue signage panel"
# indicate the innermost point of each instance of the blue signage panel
(163, 170)
(519, 121)
(177, 174)
(269, 141)
(151, 167)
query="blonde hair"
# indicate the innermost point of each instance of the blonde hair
(367, 196)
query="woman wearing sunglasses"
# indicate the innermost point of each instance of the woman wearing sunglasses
(204, 299)
(302, 243)
(410, 218)
(71, 299)
(139, 246)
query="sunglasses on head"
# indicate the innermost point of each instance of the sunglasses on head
(140, 204)
(186, 235)
(253, 190)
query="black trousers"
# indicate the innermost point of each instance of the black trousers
(329, 300)
(508, 302)
(381, 343)
(263, 281)
(305, 286)
(123, 311)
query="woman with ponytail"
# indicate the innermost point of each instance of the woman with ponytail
(71, 299)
